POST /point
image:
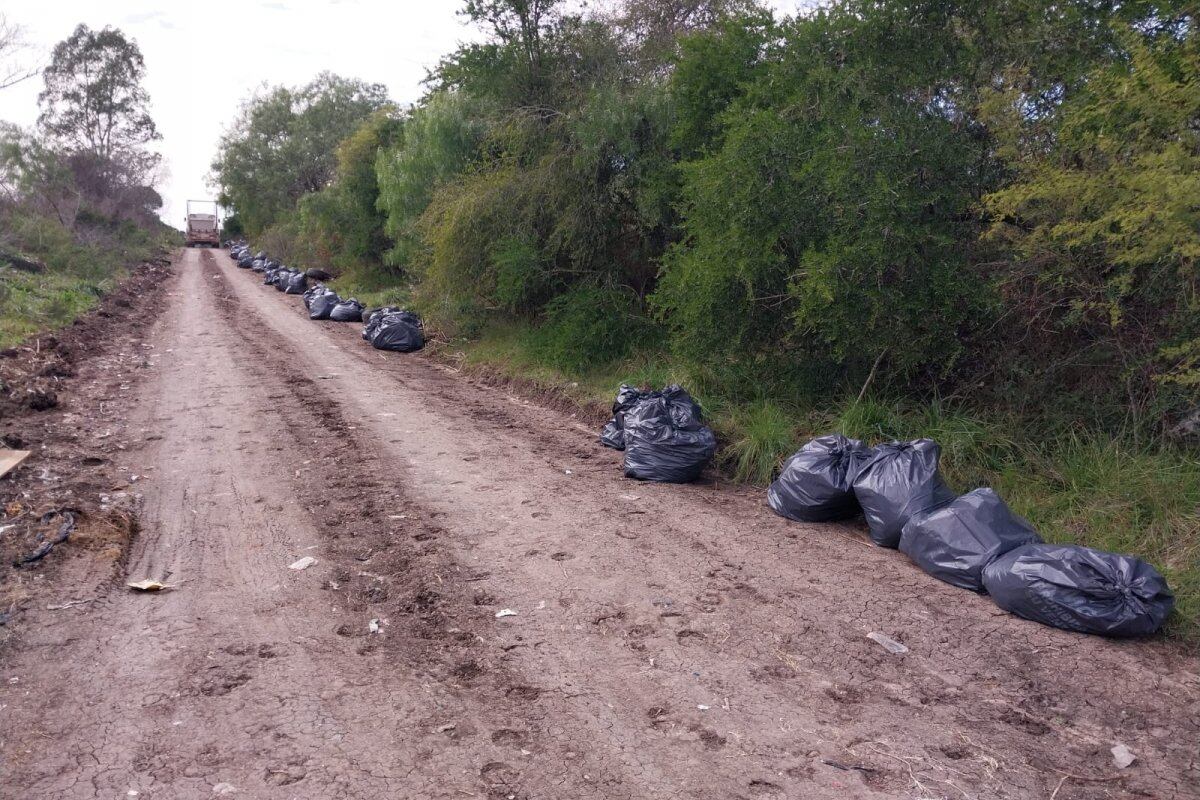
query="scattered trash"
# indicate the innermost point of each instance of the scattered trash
(224, 789)
(505, 612)
(665, 440)
(955, 541)
(347, 311)
(322, 304)
(400, 331)
(46, 545)
(816, 484)
(703, 708)
(1123, 757)
(149, 585)
(900, 480)
(303, 563)
(296, 284)
(373, 626)
(1080, 589)
(613, 434)
(888, 643)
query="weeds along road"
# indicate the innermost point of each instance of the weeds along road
(669, 641)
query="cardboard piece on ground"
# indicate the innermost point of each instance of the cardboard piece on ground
(10, 459)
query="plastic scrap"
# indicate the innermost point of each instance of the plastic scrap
(899, 481)
(1123, 757)
(955, 541)
(303, 563)
(816, 484)
(887, 642)
(1080, 589)
(613, 434)
(46, 545)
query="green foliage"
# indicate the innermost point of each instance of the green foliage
(81, 265)
(588, 326)
(284, 145)
(93, 100)
(756, 438)
(1106, 222)
(439, 140)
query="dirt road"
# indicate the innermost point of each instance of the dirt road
(668, 641)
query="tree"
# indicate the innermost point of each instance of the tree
(284, 144)
(12, 42)
(93, 100)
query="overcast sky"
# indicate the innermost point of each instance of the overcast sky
(203, 57)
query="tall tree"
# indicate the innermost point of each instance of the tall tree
(93, 100)
(13, 68)
(284, 144)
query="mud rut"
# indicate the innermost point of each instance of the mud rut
(669, 642)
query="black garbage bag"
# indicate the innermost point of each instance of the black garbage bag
(613, 434)
(245, 262)
(1080, 589)
(400, 331)
(955, 541)
(900, 480)
(659, 449)
(347, 311)
(312, 292)
(268, 277)
(373, 318)
(817, 483)
(322, 304)
(296, 284)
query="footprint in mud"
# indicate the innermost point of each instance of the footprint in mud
(468, 671)
(687, 634)
(709, 599)
(562, 556)
(760, 788)
(497, 773)
(524, 694)
(285, 775)
(709, 738)
(221, 685)
(658, 715)
(510, 737)
(846, 695)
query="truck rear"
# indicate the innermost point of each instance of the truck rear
(202, 225)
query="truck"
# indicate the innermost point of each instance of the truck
(202, 227)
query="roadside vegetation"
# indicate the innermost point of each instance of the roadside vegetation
(973, 221)
(77, 203)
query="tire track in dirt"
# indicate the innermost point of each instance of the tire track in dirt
(662, 599)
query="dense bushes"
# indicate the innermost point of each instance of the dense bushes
(966, 200)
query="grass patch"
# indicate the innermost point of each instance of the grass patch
(80, 267)
(371, 287)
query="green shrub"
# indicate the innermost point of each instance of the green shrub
(588, 327)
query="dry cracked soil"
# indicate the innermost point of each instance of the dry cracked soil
(668, 641)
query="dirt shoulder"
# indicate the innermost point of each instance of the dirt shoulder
(61, 397)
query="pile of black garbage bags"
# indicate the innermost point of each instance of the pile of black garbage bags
(662, 433)
(388, 328)
(973, 541)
